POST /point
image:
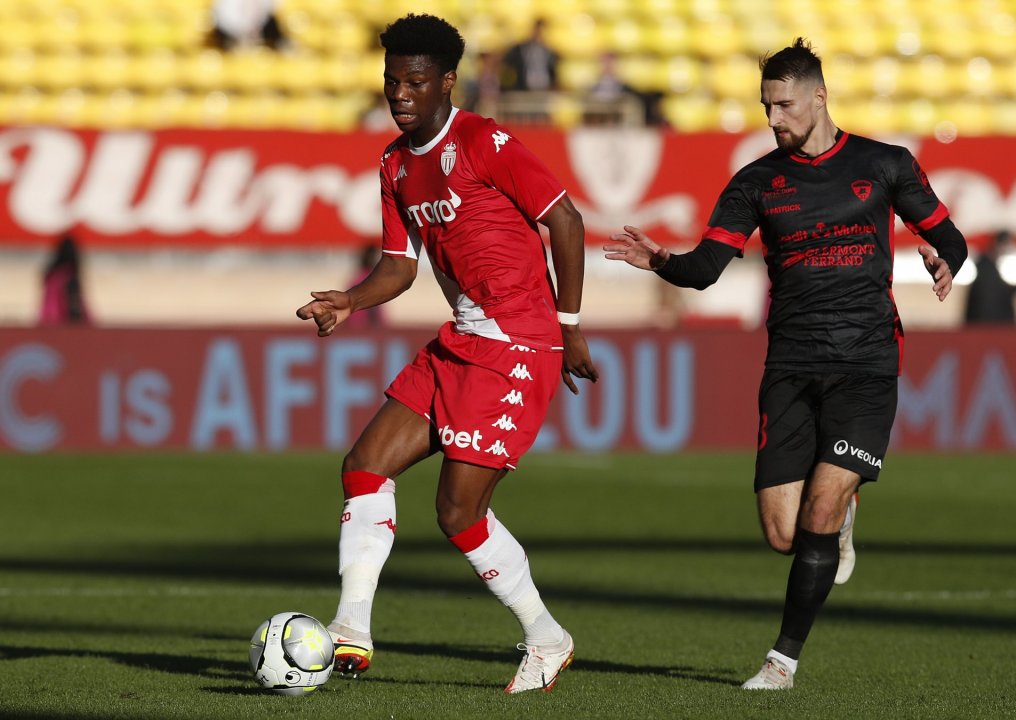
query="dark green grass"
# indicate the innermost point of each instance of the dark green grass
(130, 585)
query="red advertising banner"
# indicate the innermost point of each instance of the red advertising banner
(92, 389)
(284, 189)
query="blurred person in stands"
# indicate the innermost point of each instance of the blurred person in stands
(247, 23)
(823, 202)
(610, 87)
(463, 187)
(63, 300)
(990, 297)
(483, 89)
(532, 64)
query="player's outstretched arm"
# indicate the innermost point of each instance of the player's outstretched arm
(391, 277)
(636, 248)
(567, 246)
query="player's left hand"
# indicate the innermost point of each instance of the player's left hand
(577, 361)
(939, 270)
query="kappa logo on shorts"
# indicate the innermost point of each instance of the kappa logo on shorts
(842, 447)
(521, 372)
(505, 422)
(460, 439)
(498, 448)
(521, 348)
(514, 397)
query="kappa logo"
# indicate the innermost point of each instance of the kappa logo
(500, 138)
(498, 448)
(387, 523)
(514, 397)
(448, 158)
(520, 372)
(401, 174)
(862, 189)
(842, 447)
(521, 348)
(505, 422)
(435, 211)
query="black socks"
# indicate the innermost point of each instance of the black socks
(811, 578)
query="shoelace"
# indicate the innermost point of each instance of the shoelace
(532, 666)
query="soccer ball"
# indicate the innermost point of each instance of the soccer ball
(291, 654)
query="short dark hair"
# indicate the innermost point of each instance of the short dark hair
(792, 63)
(425, 35)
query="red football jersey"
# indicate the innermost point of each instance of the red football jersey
(472, 197)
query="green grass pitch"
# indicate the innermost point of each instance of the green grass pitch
(130, 586)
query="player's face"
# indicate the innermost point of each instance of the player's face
(419, 95)
(792, 107)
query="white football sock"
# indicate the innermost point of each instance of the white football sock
(365, 541)
(501, 562)
(788, 661)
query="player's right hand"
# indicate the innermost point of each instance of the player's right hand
(637, 249)
(328, 309)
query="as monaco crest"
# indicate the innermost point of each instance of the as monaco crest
(862, 189)
(448, 158)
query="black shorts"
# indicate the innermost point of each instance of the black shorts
(805, 418)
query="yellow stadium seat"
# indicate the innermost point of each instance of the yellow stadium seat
(203, 71)
(578, 36)
(295, 72)
(971, 116)
(735, 76)
(1004, 117)
(690, 113)
(643, 72)
(625, 36)
(716, 38)
(110, 71)
(669, 35)
(578, 73)
(684, 74)
(341, 73)
(57, 72)
(156, 71)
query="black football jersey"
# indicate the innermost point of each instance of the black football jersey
(826, 225)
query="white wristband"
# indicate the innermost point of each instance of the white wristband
(567, 318)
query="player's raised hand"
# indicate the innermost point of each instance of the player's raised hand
(328, 309)
(577, 360)
(939, 270)
(636, 248)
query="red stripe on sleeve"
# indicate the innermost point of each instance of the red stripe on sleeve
(736, 240)
(940, 214)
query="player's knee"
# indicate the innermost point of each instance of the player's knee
(454, 519)
(779, 539)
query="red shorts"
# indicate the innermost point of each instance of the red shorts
(487, 398)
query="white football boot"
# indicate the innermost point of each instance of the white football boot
(774, 675)
(542, 665)
(847, 555)
(352, 655)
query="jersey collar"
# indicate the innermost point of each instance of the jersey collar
(841, 140)
(437, 138)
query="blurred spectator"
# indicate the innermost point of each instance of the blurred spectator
(62, 299)
(990, 300)
(372, 317)
(483, 89)
(610, 88)
(245, 23)
(532, 64)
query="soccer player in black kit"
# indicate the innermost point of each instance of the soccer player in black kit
(823, 202)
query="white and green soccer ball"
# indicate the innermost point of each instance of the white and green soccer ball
(291, 654)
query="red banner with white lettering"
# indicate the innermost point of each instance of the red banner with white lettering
(115, 390)
(285, 189)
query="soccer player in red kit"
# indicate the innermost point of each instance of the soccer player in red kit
(824, 203)
(467, 190)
